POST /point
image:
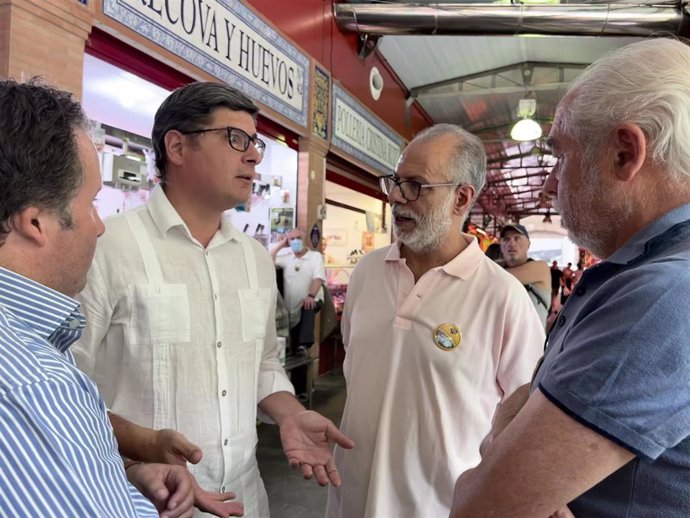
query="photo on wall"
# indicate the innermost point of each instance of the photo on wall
(282, 221)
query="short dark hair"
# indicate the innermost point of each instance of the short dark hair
(190, 107)
(39, 156)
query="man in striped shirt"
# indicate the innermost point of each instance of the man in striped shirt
(58, 455)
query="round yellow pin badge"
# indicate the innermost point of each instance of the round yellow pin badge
(447, 337)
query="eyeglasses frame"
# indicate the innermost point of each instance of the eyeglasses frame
(259, 144)
(398, 183)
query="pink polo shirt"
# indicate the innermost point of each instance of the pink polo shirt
(416, 410)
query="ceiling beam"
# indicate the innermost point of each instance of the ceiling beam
(417, 90)
(501, 90)
(500, 181)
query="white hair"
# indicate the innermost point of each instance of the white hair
(468, 163)
(646, 83)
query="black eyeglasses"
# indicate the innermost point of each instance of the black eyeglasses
(408, 188)
(237, 138)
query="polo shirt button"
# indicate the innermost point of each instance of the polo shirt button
(224, 393)
(222, 489)
(225, 442)
(74, 323)
(561, 321)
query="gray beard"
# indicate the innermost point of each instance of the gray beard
(430, 228)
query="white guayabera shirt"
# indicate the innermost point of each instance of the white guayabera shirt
(184, 337)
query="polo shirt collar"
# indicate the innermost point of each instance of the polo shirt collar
(636, 245)
(462, 265)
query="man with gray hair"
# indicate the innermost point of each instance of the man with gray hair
(436, 336)
(606, 427)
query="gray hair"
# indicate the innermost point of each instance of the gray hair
(189, 108)
(468, 163)
(646, 83)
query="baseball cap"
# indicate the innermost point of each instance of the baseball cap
(520, 229)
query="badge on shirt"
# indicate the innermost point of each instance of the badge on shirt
(447, 337)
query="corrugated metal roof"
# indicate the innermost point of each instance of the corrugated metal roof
(486, 104)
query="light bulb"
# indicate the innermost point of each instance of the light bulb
(525, 129)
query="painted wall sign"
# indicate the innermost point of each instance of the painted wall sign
(361, 134)
(227, 40)
(321, 98)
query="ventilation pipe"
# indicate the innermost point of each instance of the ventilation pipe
(582, 19)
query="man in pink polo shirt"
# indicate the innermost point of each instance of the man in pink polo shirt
(437, 335)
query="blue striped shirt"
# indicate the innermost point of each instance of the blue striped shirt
(58, 454)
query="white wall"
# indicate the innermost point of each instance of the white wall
(343, 228)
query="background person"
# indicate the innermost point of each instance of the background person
(566, 282)
(303, 277)
(534, 275)
(556, 276)
(493, 252)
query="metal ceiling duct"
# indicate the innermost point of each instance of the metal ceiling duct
(583, 19)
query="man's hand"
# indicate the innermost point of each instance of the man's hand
(308, 439)
(168, 487)
(309, 302)
(171, 447)
(147, 445)
(217, 504)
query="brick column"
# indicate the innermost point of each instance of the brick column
(311, 180)
(45, 38)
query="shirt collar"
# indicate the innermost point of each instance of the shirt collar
(462, 265)
(43, 310)
(636, 245)
(166, 217)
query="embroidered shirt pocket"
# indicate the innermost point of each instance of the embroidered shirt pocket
(255, 306)
(159, 314)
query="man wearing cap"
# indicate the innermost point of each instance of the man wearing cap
(534, 275)
(436, 336)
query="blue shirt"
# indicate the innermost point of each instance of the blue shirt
(618, 361)
(58, 454)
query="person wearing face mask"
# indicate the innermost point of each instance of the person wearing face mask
(303, 278)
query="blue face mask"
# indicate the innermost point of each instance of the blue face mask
(296, 245)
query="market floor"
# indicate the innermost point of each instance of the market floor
(289, 495)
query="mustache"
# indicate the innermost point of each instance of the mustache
(402, 212)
